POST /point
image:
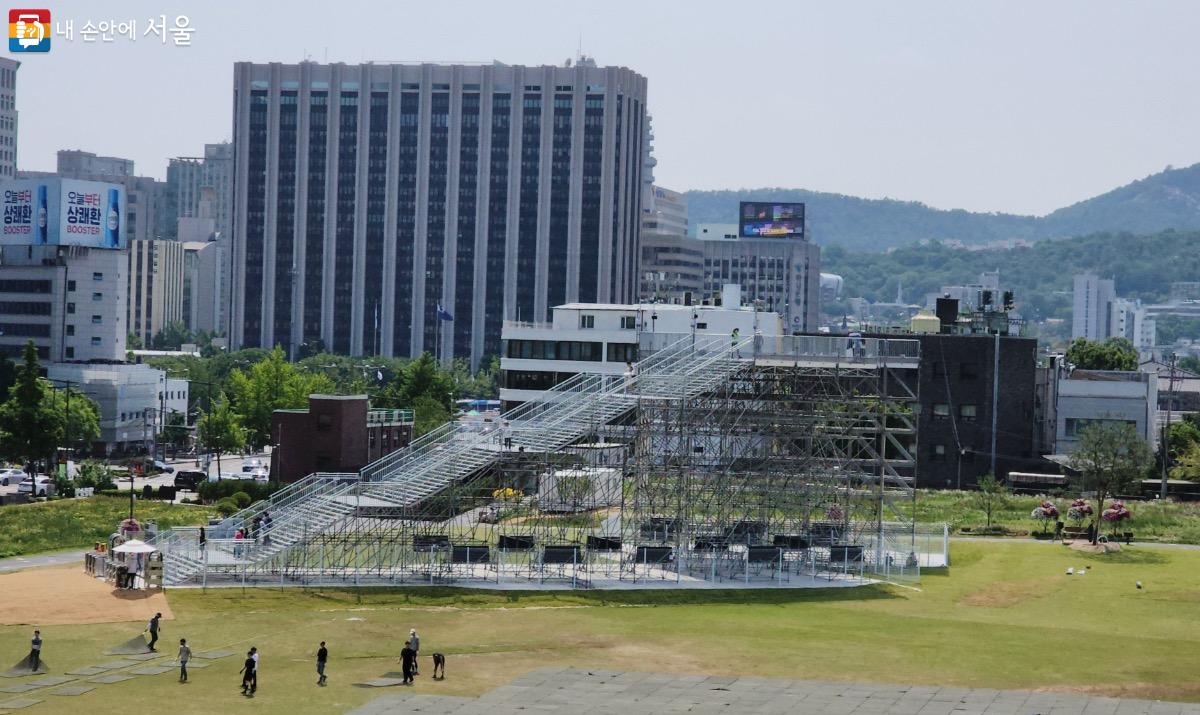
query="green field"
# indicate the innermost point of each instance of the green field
(1004, 616)
(79, 523)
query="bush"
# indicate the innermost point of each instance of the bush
(94, 473)
(227, 507)
(211, 492)
(242, 499)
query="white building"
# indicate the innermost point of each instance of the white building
(1088, 396)
(155, 286)
(604, 338)
(203, 281)
(1091, 307)
(135, 401)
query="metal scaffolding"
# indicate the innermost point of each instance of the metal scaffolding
(759, 462)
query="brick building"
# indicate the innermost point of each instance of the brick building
(336, 433)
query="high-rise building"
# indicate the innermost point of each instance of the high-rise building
(203, 277)
(672, 263)
(147, 215)
(784, 275)
(155, 286)
(188, 176)
(1090, 308)
(62, 270)
(8, 117)
(374, 202)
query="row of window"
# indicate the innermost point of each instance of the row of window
(941, 411)
(570, 350)
(587, 322)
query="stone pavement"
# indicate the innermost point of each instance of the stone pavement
(597, 691)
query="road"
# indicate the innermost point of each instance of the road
(233, 463)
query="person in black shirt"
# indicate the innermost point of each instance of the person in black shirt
(35, 651)
(322, 657)
(408, 658)
(152, 627)
(247, 672)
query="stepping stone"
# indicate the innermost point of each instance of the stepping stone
(192, 665)
(89, 670)
(117, 664)
(18, 703)
(214, 654)
(143, 656)
(19, 688)
(73, 690)
(383, 682)
(152, 670)
(50, 681)
(111, 678)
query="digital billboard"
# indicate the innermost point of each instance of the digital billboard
(64, 212)
(763, 219)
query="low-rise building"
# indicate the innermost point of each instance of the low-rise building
(335, 433)
(1085, 397)
(603, 339)
(135, 402)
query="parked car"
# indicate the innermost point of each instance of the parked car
(45, 487)
(12, 476)
(163, 467)
(189, 479)
(251, 464)
(260, 475)
(226, 476)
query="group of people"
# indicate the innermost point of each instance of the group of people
(249, 671)
(260, 527)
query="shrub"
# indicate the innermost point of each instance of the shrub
(214, 491)
(227, 507)
(242, 499)
(94, 473)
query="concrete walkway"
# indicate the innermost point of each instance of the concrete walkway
(34, 561)
(582, 691)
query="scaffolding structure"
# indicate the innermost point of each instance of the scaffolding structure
(782, 461)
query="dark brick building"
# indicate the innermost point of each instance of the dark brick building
(954, 428)
(335, 434)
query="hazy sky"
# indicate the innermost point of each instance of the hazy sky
(989, 106)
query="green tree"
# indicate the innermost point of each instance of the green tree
(420, 378)
(269, 385)
(172, 336)
(1112, 354)
(1187, 464)
(1190, 363)
(219, 432)
(81, 422)
(30, 429)
(992, 495)
(428, 415)
(175, 431)
(1110, 457)
(133, 341)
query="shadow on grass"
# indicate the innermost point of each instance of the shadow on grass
(449, 596)
(1127, 555)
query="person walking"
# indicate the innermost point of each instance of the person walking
(35, 651)
(254, 675)
(247, 672)
(203, 538)
(408, 659)
(322, 658)
(152, 627)
(185, 654)
(734, 338)
(414, 642)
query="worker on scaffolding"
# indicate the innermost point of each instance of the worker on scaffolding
(734, 337)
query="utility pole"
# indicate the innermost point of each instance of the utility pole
(1166, 433)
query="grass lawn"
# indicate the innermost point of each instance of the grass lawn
(1163, 521)
(1004, 616)
(72, 523)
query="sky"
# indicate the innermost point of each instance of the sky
(1021, 106)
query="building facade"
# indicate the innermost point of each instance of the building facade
(188, 176)
(70, 300)
(1090, 307)
(155, 289)
(8, 117)
(1084, 397)
(366, 197)
(135, 402)
(335, 433)
(204, 276)
(604, 339)
(783, 274)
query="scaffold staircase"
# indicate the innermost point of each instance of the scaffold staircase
(452, 453)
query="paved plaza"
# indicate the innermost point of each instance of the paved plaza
(599, 691)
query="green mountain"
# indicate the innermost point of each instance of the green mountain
(1169, 199)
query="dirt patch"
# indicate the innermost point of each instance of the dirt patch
(1089, 548)
(1006, 594)
(1187, 692)
(68, 596)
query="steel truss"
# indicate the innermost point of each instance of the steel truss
(763, 469)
